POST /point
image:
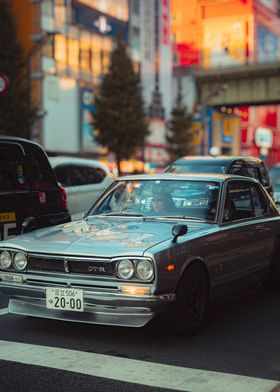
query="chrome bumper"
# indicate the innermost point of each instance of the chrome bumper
(100, 307)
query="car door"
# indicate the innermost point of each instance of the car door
(242, 255)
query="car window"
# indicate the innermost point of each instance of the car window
(250, 171)
(259, 202)
(238, 202)
(41, 174)
(264, 177)
(77, 176)
(198, 168)
(93, 175)
(13, 173)
(62, 173)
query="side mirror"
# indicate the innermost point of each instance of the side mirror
(178, 231)
(29, 224)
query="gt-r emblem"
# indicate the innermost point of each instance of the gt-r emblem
(93, 268)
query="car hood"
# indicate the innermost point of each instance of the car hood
(100, 236)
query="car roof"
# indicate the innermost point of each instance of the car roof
(18, 140)
(57, 160)
(186, 176)
(221, 159)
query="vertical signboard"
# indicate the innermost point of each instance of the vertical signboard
(88, 136)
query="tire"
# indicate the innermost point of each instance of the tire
(191, 301)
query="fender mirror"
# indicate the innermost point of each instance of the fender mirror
(178, 231)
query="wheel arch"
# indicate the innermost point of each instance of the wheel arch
(198, 261)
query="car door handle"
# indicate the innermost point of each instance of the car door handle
(260, 228)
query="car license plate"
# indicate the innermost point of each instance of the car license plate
(64, 299)
(7, 217)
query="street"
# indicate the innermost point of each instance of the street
(241, 342)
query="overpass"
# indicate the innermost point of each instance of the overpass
(244, 85)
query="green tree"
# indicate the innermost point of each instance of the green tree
(16, 111)
(119, 111)
(180, 135)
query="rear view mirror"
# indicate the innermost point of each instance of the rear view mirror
(178, 231)
(29, 224)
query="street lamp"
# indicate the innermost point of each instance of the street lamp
(202, 107)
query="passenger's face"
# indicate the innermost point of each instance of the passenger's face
(158, 203)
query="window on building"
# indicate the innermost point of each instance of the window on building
(60, 49)
(73, 53)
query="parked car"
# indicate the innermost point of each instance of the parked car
(29, 190)
(84, 180)
(126, 262)
(242, 166)
(274, 173)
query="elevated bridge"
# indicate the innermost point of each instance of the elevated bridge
(244, 85)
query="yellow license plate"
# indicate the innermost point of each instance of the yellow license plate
(7, 216)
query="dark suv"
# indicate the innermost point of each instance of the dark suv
(30, 196)
(242, 166)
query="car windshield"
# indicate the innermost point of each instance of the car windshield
(198, 167)
(161, 198)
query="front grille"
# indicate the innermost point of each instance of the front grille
(53, 264)
(85, 266)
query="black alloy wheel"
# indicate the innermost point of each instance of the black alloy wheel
(191, 301)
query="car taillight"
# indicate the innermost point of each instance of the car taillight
(63, 196)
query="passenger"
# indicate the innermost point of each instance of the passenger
(162, 202)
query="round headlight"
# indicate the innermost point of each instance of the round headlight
(5, 259)
(125, 269)
(20, 261)
(145, 270)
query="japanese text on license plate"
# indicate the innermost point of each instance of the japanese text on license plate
(64, 299)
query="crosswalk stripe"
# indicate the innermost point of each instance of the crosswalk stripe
(131, 370)
(4, 311)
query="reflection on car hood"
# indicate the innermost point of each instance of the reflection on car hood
(100, 236)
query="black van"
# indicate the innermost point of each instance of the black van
(29, 191)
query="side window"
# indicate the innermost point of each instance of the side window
(62, 174)
(250, 171)
(236, 170)
(41, 173)
(264, 178)
(93, 175)
(258, 201)
(13, 173)
(238, 202)
(77, 176)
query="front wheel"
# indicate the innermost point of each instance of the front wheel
(191, 301)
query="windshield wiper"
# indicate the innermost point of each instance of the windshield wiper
(136, 214)
(175, 217)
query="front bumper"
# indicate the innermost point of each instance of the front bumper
(104, 303)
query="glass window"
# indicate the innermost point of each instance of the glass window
(238, 202)
(73, 53)
(93, 175)
(77, 177)
(198, 168)
(41, 174)
(60, 49)
(259, 203)
(13, 173)
(96, 58)
(85, 54)
(191, 199)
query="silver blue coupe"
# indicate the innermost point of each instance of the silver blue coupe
(151, 245)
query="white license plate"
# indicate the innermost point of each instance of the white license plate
(64, 299)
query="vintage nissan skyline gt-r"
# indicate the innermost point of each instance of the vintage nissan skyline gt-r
(127, 261)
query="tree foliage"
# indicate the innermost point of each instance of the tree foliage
(180, 135)
(119, 112)
(16, 111)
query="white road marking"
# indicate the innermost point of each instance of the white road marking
(4, 311)
(130, 370)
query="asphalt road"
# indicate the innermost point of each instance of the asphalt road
(242, 337)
